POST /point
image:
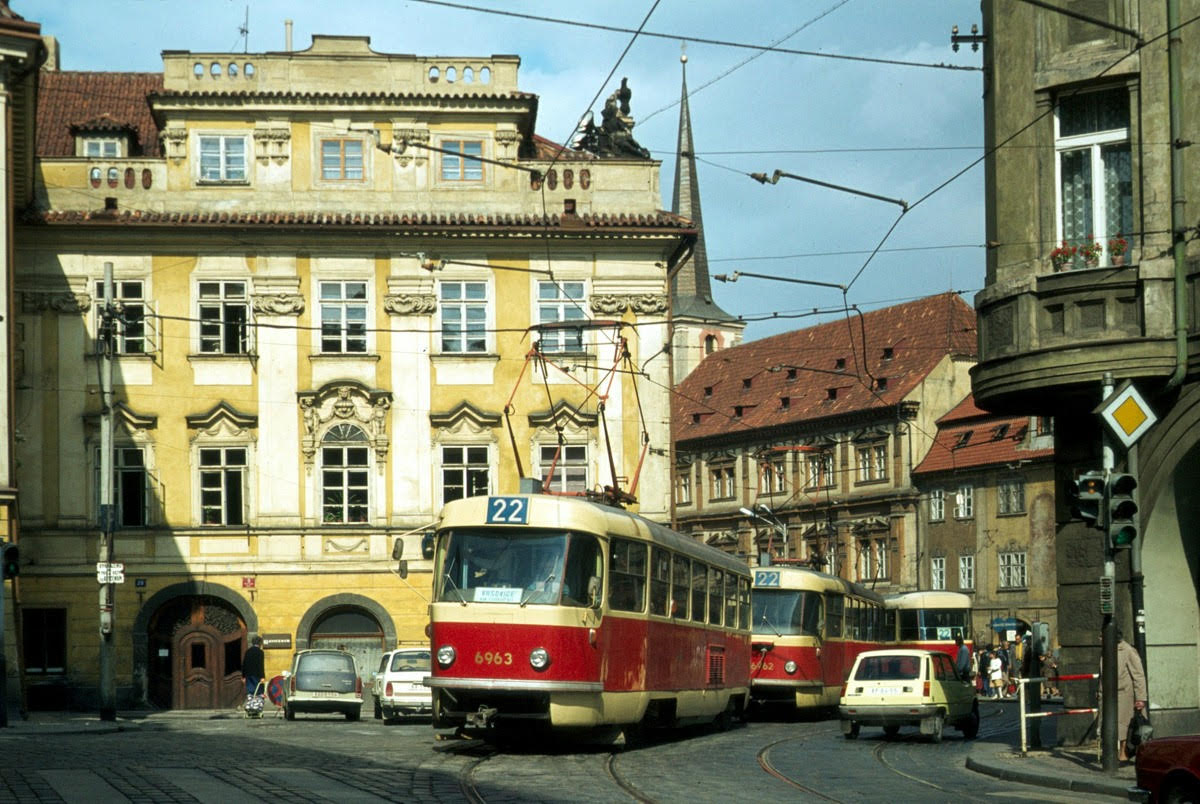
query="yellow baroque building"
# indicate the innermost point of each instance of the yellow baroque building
(330, 268)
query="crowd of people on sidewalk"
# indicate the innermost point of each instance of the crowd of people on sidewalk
(996, 669)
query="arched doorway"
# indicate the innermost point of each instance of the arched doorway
(195, 645)
(353, 629)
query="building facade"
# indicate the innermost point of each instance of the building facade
(348, 287)
(1092, 269)
(987, 523)
(801, 446)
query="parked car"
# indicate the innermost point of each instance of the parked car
(1168, 770)
(398, 685)
(323, 681)
(894, 688)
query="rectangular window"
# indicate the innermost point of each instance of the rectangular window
(966, 572)
(222, 485)
(564, 470)
(699, 591)
(964, 502)
(223, 311)
(130, 487)
(820, 470)
(223, 159)
(464, 308)
(343, 317)
(731, 600)
(681, 580)
(771, 477)
(721, 478)
(716, 595)
(937, 505)
(627, 575)
(865, 563)
(109, 149)
(344, 486)
(1012, 571)
(561, 303)
(130, 321)
(1011, 496)
(660, 580)
(457, 165)
(464, 472)
(44, 638)
(1095, 172)
(937, 576)
(872, 462)
(342, 159)
(683, 486)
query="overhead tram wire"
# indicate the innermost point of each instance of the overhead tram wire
(699, 40)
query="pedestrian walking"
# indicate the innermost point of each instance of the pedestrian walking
(962, 658)
(1131, 689)
(253, 665)
(995, 676)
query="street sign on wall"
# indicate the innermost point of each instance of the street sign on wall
(110, 573)
(1127, 414)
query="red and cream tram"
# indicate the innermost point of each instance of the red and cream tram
(931, 620)
(562, 612)
(808, 627)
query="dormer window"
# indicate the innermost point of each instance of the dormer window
(746, 383)
(840, 363)
(963, 439)
(791, 374)
(102, 147)
(785, 402)
(887, 353)
(881, 383)
(708, 390)
(1000, 432)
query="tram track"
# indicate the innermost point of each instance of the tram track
(610, 767)
(764, 762)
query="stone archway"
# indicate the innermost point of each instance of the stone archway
(367, 646)
(154, 673)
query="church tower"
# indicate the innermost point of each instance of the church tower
(700, 326)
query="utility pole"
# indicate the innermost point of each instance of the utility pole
(105, 346)
(1108, 627)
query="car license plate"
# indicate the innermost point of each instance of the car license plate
(417, 686)
(325, 694)
(886, 691)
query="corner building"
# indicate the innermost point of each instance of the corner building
(1086, 155)
(327, 264)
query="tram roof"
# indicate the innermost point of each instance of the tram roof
(929, 599)
(813, 580)
(578, 513)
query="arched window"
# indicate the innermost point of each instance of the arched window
(344, 491)
(710, 344)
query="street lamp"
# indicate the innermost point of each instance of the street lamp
(776, 525)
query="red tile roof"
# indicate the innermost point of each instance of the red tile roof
(969, 438)
(67, 99)
(896, 345)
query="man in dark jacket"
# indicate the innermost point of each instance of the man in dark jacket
(253, 666)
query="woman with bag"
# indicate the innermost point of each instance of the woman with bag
(1131, 691)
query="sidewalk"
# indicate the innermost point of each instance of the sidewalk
(47, 723)
(1073, 768)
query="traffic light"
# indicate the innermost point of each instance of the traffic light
(10, 563)
(1087, 495)
(1122, 510)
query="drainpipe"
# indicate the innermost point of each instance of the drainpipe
(1175, 93)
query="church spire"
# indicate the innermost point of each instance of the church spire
(691, 290)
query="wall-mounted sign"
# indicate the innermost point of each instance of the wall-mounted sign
(276, 641)
(1126, 413)
(247, 582)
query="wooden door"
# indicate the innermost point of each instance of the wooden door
(199, 669)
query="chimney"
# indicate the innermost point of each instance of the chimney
(287, 35)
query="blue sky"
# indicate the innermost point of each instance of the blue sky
(892, 130)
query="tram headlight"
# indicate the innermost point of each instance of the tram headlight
(790, 668)
(445, 656)
(539, 659)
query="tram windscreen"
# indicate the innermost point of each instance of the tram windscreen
(523, 567)
(927, 625)
(786, 612)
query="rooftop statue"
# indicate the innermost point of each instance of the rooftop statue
(614, 135)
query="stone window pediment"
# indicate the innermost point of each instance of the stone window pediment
(345, 403)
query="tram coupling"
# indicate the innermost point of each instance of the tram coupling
(481, 719)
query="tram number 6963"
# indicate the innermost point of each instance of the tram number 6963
(493, 657)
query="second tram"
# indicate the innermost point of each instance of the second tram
(560, 612)
(808, 627)
(931, 620)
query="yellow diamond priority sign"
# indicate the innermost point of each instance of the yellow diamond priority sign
(1127, 414)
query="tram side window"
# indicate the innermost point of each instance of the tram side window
(812, 615)
(853, 616)
(744, 603)
(699, 591)
(660, 580)
(585, 567)
(681, 578)
(833, 622)
(716, 594)
(909, 629)
(627, 576)
(889, 625)
(731, 601)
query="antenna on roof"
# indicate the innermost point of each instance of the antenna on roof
(244, 30)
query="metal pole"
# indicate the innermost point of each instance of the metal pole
(1136, 579)
(106, 343)
(1108, 632)
(1021, 714)
(3, 665)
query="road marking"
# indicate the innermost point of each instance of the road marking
(82, 785)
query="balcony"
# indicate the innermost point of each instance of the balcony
(1046, 340)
